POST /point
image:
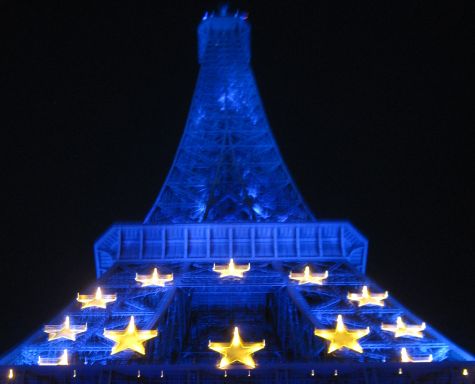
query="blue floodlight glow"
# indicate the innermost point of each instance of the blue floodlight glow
(229, 196)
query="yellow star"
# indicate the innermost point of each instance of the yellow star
(307, 277)
(231, 269)
(153, 280)
(64, 331)
(98, 300)
(342, 337)
(236, 350)
(62, 360)
(402, 329)
(405, 358)
(130, 338)
(367, 298)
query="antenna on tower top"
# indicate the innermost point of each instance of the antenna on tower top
(223, 10)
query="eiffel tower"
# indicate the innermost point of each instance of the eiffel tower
(230, 278)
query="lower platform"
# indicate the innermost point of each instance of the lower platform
(199, 306)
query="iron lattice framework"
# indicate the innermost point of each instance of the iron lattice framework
(229, 195)
(228, 167)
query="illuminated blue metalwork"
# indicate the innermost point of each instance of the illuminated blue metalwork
(324, 241)
(227, 167)
(229, 195)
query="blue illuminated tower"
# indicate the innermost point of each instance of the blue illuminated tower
(228, 167)
(165, 312)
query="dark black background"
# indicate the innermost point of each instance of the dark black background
(369, 102)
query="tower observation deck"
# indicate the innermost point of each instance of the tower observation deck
(230, 278)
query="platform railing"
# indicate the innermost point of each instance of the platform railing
(321, 241)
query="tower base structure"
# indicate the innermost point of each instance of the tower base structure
(231, 279)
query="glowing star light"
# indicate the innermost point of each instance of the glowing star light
(405, 358)
(98, 300)
(402, 329)
(62, 360)
(307, 277)
(236, 351)
(231, 269)
(367, 298)
(64, 331)
(130, 338)
(342, 337)
(153, 280)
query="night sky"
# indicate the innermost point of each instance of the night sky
(369, 103)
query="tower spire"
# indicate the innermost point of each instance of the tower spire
(227, 167)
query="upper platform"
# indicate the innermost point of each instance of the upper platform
(277, 242)
(224, 33)
(227, 168)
